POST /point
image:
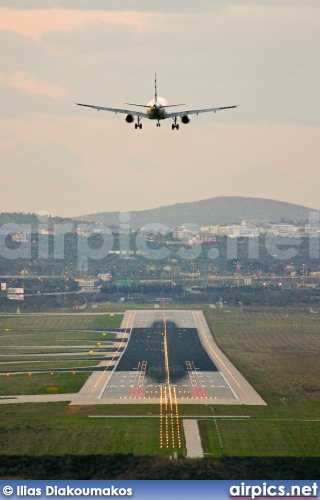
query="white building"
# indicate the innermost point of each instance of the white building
(242, 232)
(207, 237)
(84, 232)
(19, 237)
(284, 230)
(104, 276)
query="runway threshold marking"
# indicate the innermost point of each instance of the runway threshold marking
(134, 382)
(201, 392)
(137, 388)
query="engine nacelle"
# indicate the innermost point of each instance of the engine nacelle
(129, 118)
(185, 119)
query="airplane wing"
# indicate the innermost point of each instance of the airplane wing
(196, 111)
(115, 110)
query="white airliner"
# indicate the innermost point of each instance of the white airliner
(156, 109)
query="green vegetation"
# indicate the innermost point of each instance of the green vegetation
(79, 356)
(42, 383)
(55, 428)
(47, 365)
(60, 322)
(263, 438)
(35, 342)
(277, 353)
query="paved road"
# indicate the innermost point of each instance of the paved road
(192, 436)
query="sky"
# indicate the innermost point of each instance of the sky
(68, 160)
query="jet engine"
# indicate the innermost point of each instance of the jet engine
(185, 119)
(129, 118)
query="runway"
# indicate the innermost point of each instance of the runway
(171, 355)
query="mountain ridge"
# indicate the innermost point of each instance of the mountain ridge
(218, 210)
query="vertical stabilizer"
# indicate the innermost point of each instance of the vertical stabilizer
(155, 87)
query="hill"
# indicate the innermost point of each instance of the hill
(29, 218)
(220, 210)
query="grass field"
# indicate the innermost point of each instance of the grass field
(38, 365)
(56, 429)
(262, 437)
(60, 322)
(48, 342)
(42, 383)
(17, 339)
(277, 353)
(269, 432)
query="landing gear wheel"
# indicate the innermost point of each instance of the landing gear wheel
(136, 126)
(177, 127)
(140, 126)
(173, 127)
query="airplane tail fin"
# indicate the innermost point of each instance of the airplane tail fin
(155, 98)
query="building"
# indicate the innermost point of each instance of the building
(88, 286)
(104, 276)
(19, 237)
(206, 237)
(84, 232)
(242, 232)
(284, 230)
(260, 224)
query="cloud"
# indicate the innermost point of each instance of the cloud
(148, 5)
(29, 84)
(36, 23)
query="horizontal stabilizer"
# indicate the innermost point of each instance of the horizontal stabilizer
(171, 105)
(140, 105)
(144, 106)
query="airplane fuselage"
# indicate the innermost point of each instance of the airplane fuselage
(156, 109)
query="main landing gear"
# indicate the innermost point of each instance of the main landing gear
(158, 124)
(138, 125)
(175, 124)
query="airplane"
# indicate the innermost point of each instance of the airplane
(156, 109)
